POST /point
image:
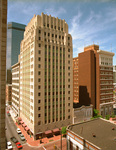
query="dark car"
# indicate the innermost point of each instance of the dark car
(19, 146)
(14, 139)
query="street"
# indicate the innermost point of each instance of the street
(11, 130)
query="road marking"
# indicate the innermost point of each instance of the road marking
(43, 147)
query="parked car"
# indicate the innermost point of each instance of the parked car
(9, 146)
(18, 131)
(8, 114)
(14, 139)
(22, 137)
(19, 146)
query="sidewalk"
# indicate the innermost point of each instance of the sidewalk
(31, 142)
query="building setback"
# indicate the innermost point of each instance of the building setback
(3, 30)
(46, 75)
(96, 79)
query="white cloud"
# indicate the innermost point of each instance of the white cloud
(55, 12)
(89, 30)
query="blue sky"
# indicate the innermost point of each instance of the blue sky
(89, 21)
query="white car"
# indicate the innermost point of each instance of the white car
(9, 146)
(22, 137)
(18, 131)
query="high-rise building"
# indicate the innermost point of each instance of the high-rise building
(96, 79)
(114, 75)
(75, 80)
(9, 93)
(3, 29)
(16, 88)
(46, 75)
(9, 76)
(15, 32)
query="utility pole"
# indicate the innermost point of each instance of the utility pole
(61, 138)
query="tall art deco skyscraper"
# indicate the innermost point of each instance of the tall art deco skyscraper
(46, 75)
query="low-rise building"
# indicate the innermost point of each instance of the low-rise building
(95, 134)
(83, 113)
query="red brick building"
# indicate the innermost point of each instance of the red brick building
(95, 79)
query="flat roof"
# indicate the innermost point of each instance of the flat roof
(101, 128)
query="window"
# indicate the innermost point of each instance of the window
(39, 80)
(68, 110)
(69, 74)
(39, 72)
(39, 108)
(39, 94)
(39, 122)
(68, 104)
(44, 33)
(39, 66)
(68, 86)
(39, 87)
(52, 35)
(39, 58)
(39, 45)
(68, 56)
(68, 98)
(68, 68)
(39, 38)
(39, 115)
(39, 101)
(39, 31)
(69, 50)
(48, 34)
(68, 117)
(47, 25)
(39, 52)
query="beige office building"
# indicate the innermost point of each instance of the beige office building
(16, 88)
(46, 75)
(3, 29)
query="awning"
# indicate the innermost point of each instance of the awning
(26, 128)
(24, 125)
(19, 119)
(48, 132)
(56, 130)
(21, 122)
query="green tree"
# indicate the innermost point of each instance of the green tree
(96, 114)
(107, 117)
(63, 130)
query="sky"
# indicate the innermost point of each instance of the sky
(89, 21)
